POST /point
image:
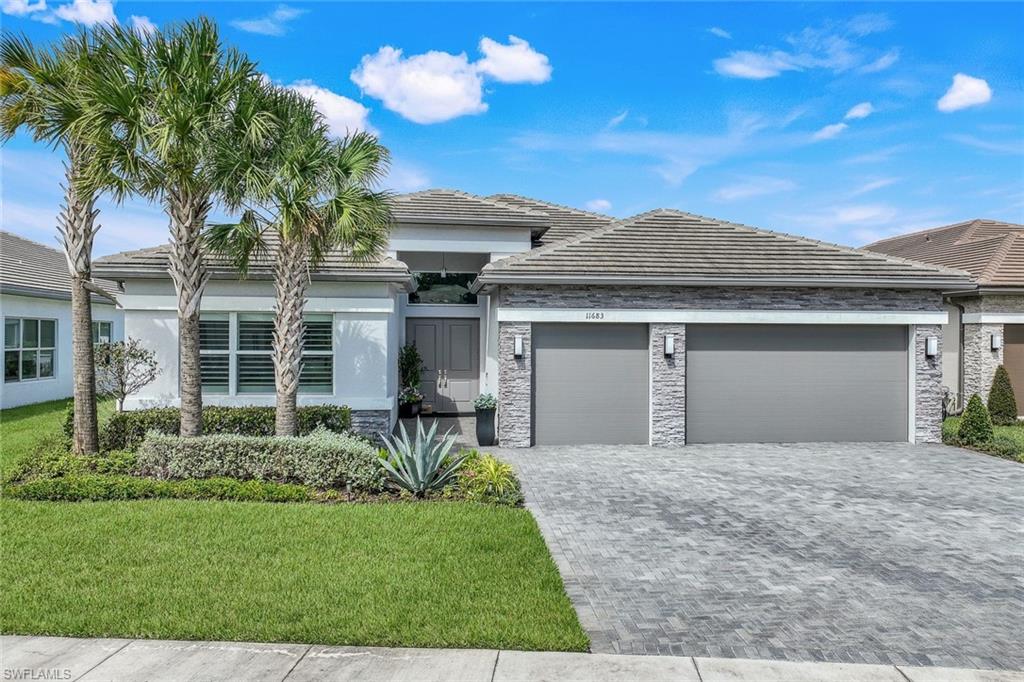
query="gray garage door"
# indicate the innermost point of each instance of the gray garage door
(590, 383)
(796, 383)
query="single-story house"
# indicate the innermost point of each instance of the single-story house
(664, 328)
(986, 320)
(35, 299)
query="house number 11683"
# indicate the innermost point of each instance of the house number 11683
(594, 316)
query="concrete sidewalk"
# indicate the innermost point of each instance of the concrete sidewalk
(60, 658)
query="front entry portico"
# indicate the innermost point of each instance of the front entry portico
(450, 348)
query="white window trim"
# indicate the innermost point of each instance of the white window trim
(20, 348)
(616, 315)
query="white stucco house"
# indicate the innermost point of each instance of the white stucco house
(665, 328)
(35, 301)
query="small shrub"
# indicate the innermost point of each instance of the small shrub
(421, 466)
(485, 478)
(50, 458)
(976, 424)
(126, 430)
(95, 488)
(322, 459)
(485, 401)
(410, 366)
(116, 462)
(1002, 405)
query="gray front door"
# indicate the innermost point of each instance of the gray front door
(450, 348)
(793, 383)
(590, 384)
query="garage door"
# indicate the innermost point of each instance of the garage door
(590, 384)
(1013, 360)
(796, 383)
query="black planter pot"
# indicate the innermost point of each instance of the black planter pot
(408, 410)
(485, 434)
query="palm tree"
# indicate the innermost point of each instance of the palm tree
(161, 111)
(42, 91)
(300, 197)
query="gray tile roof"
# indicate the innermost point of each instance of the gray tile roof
(991, 250)
(452, 207)
(153, 263)
(566, 222)
(672, 247)
(33, 269)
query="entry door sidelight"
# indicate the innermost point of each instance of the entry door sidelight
(450, 348)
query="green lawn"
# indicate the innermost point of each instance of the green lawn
(398, 574)
(21, 427)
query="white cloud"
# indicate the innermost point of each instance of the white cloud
(882, 63)
(829, 131)
(720, 32)
(516, 62)
(753, 65)
(424, 88)
(966, 91)
(88, 12)
(342, 114)
(20, 8)
(273, 24)
(862, 110)
(599, 205)
(866, 24)
(406, 177)
(879, 155)
(142, 25)
(873, 185)
(617, 120)
(996, 147)
(753, 187)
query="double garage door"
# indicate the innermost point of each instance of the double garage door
(744, 383)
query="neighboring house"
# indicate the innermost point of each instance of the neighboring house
(986, 321)
(35, 300)
(664, 328)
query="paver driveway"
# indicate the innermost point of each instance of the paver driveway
(863, 553)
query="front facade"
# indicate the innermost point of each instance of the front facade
(665, 329)
(986, 320)
(35, 301)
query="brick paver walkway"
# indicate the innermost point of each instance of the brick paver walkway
(865, 553)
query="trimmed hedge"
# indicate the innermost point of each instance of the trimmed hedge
(126, 430)
(92, 487)
(1002, 404)
(321, 460)
(976, 424)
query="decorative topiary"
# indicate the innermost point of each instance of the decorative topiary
(976, 424)
(1002, 405)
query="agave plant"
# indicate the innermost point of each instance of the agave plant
(422, 465)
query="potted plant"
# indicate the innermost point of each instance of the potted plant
(485, 405)
(409, 401)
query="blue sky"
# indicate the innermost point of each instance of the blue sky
(844, 122)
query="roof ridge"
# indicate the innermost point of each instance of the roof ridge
(540, 250)
(969, 238)
(999, 256)
(808, 240)
(553, 204)
(930, 230)
(476, 197)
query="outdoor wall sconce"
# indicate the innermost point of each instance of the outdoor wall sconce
(997, 341)
(517, 347)
(931, 346)
(670, 345)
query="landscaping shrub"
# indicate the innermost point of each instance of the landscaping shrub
(322, 459)
(976, 424)
(126, 430)
(1002, 405)
(51, 457)
(91, 487)
(485, 478)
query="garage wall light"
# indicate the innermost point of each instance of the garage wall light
(517, 347)
(670, 345)
(997, 341)
(931, 346)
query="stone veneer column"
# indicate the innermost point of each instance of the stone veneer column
(979, 360)
(927, 387)
(515, 386)
(668, 386)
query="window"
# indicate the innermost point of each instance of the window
(29, 349)
(101, 332)
(434, 288)
(252, 357)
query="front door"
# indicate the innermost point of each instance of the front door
(450, 348)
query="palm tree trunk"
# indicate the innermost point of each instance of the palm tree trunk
(289, 332)
(188, 216)
(77, 229)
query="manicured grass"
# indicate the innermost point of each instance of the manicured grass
(21, 427)
(428, 574)
(1014, 433)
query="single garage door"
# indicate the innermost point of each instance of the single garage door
(795, 383)
(590, 383)
(1013, 360)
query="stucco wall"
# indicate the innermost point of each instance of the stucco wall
(61, 384)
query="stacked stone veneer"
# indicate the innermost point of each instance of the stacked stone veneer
(371, 423)
(668, 376)
(979, 360)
